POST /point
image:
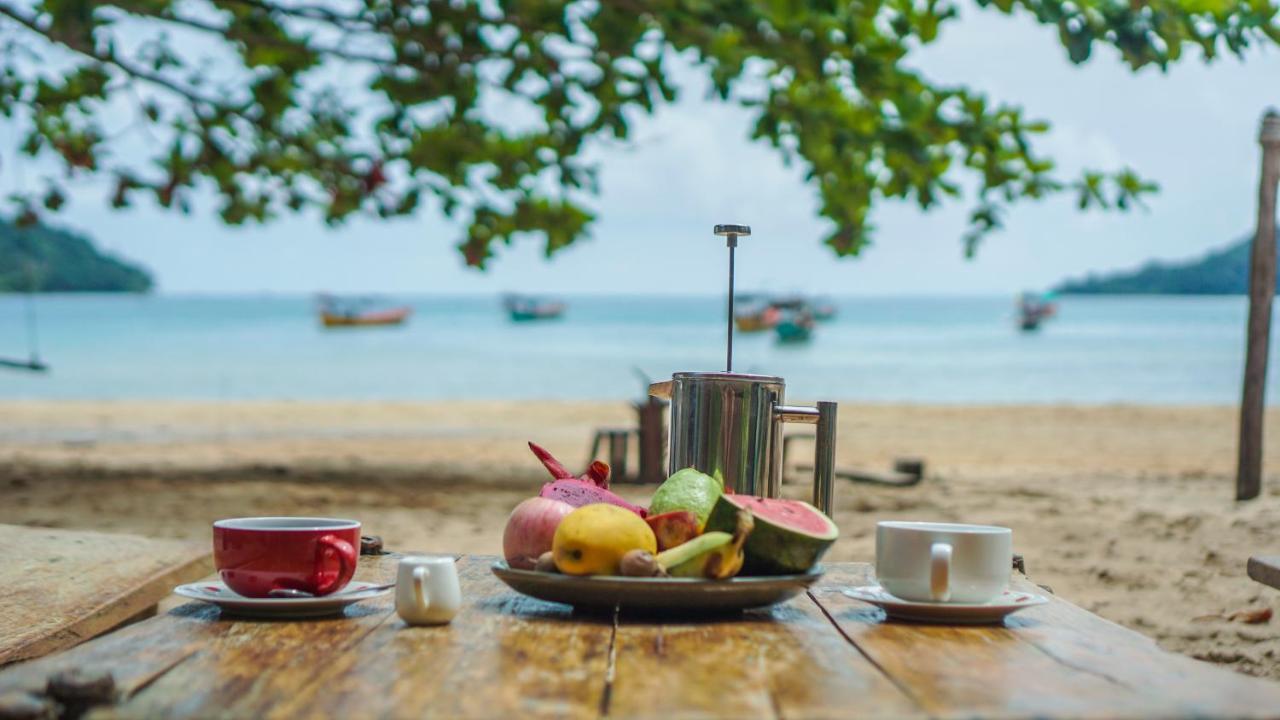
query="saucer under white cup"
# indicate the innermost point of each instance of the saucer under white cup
(987, 613)
(943, 562)
(427, 591)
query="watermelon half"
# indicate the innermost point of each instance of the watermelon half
(790, 536)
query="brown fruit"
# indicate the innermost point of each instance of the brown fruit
(546, 562)
(639, 563)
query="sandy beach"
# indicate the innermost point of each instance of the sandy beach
(1125, 510)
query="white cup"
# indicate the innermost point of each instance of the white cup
(943, 562)
(427, 591)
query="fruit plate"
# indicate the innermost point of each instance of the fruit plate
(663, 595)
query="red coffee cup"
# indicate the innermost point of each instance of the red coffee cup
(257, 555)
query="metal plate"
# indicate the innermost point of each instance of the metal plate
(665, 595)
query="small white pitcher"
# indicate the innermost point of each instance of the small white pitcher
(427, 591)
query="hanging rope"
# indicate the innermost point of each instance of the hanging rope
(33, 361)
(33, 340)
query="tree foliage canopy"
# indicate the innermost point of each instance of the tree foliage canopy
(484, 110)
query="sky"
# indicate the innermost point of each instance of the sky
(692, 165)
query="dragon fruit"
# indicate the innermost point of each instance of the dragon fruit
(578, 493)
(577, 490)
(597, 473)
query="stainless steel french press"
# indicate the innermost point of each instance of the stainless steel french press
(730, 424)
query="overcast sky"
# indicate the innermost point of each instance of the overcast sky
(691, 166)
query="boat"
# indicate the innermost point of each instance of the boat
(1034, 309)
(819, 309)
(794, 303)
(34, 364)
(523, 308)
(796, 327)
(757, 321)
(756, 317)
(338, 313)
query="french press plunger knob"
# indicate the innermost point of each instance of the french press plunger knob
(731, 233)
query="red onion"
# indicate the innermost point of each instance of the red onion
(530, 529)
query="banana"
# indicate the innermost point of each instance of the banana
(712, 555)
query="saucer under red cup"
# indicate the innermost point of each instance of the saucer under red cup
(254, 556)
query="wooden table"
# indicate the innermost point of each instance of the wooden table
(61, 587)
(1265, 569)
(821, 655)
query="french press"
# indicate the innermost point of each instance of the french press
(730, 424)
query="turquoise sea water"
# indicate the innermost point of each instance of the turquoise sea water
(1165, 350)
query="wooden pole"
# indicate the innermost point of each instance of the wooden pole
(1262, 290)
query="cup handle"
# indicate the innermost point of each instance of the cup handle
(940, 572)
(346, 563)
(420, 594)
(824, 451)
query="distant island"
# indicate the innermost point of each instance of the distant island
(1221, 272)
(45, 259)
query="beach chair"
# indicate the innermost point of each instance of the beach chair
(649, 434)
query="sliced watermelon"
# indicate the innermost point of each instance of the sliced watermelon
(790, 536)
(578, 493)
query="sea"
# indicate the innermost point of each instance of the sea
(929, 350)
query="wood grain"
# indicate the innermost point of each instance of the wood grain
(246, 666)
(1265, 569)
(1077, 638)
(787, 661)
(1054, 660)
(61, 587)
(505, 655)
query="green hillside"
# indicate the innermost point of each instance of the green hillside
(46, 259)
(1221, 272)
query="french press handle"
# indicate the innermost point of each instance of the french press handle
(824, 452)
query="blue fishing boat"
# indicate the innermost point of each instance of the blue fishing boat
(795, 328)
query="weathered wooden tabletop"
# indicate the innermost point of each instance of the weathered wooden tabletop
(1265, 569)
(822, 654)
(60, 587)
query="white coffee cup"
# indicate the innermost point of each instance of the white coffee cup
(427, 591)
(943, 562)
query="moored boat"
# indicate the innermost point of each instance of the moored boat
(391, 316)
(523, 308)
(358, 312)
(795, 328)
(757, 319)
(1034, 309)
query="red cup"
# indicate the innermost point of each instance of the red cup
(257, 555)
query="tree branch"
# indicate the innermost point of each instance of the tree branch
(220, 31)
(124, 66)
(318, 13)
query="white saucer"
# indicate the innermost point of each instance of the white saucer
(216, 592)
(988, 613)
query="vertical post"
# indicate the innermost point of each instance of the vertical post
(731, 234)
(728, 360)
(1262, 290)
(652, 469)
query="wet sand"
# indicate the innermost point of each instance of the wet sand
(1125, 510)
